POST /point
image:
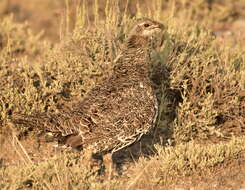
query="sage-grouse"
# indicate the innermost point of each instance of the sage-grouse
(117, 111)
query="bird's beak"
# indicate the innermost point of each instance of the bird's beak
(161, 26)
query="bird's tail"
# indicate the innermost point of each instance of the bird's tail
(37, 122)
(56, 123)
(58, 126)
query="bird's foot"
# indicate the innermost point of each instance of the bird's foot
(110, 167)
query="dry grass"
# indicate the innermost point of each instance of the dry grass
(201, 89)
(172, 164)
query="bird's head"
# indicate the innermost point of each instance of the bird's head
(143, 30)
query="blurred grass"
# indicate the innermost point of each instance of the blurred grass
(53, 16)
(201, 85)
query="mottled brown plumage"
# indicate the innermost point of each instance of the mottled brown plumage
(117, 111)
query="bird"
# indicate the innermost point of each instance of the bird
(117, 111)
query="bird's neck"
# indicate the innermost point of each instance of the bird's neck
(134, 60)
(137, 42)
(136, 56)
(136, 50)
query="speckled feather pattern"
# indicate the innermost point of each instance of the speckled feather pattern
(117, 111)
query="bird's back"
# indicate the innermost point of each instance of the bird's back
(117, 111)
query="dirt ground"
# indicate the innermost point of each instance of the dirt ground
(226, 176)
(229, 176)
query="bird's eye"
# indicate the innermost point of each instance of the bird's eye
(146, 25)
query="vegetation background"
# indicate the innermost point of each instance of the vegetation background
(53, 52)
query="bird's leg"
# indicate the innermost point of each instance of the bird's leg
(109, 167)
(88, 159)
(87, 156)
(92, 161)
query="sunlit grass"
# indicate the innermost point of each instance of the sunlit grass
(200, 84)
